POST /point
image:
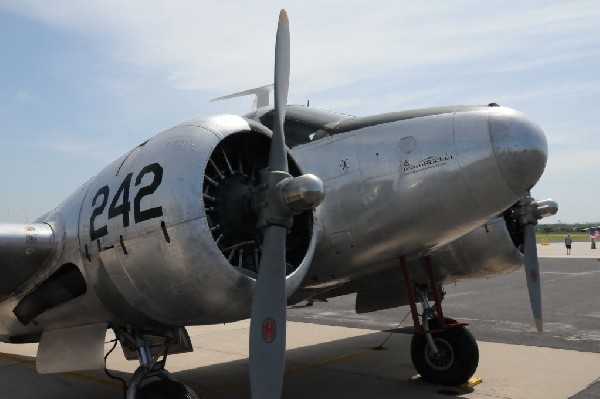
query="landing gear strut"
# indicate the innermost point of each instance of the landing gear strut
(167, 386)
(442, 350)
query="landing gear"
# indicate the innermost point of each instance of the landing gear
(442, 350)
(149, 350)
(456, 359)
(163, 389)
(167, 387)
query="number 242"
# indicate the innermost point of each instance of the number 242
(116, 209)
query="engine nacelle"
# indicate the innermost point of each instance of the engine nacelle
(167, 233)
(485, 252)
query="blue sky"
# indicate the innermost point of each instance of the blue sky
(84, 81)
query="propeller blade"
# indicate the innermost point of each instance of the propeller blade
(528, 212)
(532, 273)
(268, 318)
(277, 153)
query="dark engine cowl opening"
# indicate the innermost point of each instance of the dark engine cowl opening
(230, 181)
(63, 285)
(515, 230)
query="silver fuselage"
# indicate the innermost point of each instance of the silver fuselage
(403, 184)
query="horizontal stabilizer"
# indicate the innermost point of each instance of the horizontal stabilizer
(261, 93)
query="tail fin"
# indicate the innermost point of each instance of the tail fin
(261, 93)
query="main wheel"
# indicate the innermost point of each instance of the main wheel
(165, 389)
(456, 360)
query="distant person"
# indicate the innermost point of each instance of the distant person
(568, 242)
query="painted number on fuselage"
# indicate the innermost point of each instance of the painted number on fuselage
(102, 231)
(140, 215)
(121, 205)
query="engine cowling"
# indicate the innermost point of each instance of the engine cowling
(487, 251)
(167, 232)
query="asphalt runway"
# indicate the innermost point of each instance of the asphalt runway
(498, 309)
(331, 349)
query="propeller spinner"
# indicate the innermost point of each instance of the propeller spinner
(279, 198)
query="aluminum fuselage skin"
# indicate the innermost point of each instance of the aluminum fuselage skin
(415, 185)
(404, 186)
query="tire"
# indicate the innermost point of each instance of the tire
(165, 389)
(456, 361)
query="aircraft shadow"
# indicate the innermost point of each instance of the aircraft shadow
(371, 365)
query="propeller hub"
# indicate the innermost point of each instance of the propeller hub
(527, 211)
(547, 207)
(530, 211)
(269, 202)
(282, 196)
(303, 193)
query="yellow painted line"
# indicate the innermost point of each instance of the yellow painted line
(566, 273)
(95, 380)
(294, 371)
(17, 359)
(79, 376)
(116, 385)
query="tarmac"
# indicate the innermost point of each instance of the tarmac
(579, 249)
(332, 353)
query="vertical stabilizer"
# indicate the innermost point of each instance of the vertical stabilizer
(261, 93)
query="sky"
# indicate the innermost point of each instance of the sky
(82, 82)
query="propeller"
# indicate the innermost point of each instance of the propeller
(280, 196)
(529, 211)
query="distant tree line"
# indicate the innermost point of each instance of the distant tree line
(566, 227)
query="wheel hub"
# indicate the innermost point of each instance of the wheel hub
(443, 359)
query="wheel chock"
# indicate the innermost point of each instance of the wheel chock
(473, 381)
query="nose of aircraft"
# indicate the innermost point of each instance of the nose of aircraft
(520, 148)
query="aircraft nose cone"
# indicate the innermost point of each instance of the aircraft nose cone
(520, 148)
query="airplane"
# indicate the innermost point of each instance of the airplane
(227, 217)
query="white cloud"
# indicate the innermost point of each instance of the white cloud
(350, 56)
(228, 45)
